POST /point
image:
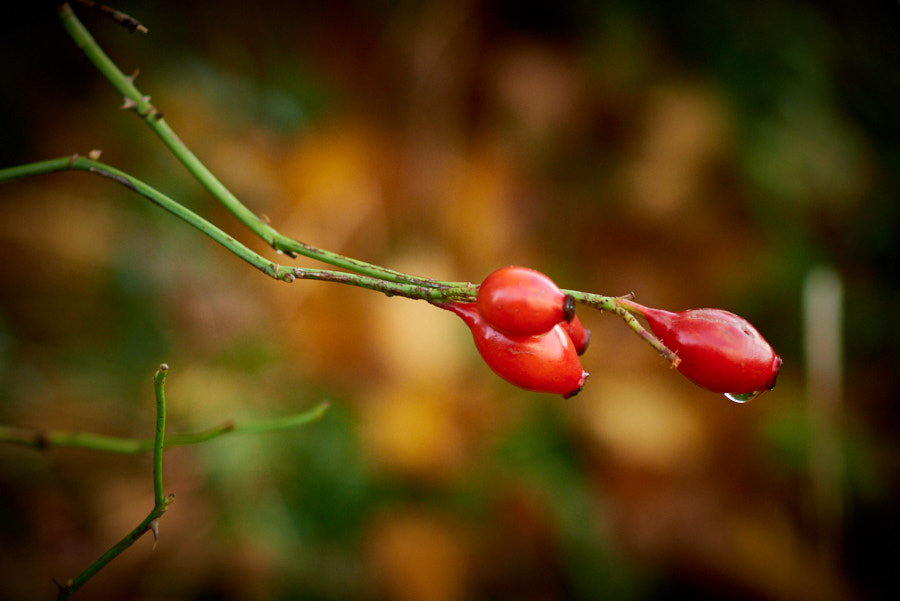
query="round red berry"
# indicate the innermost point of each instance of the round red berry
(523, 302)
(544, 363)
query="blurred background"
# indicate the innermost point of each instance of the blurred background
(729, 154)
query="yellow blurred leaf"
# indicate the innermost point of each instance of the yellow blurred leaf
(419, 557)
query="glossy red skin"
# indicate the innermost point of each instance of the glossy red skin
(719, 351)
(577, 332)
(521, 302)
(545, 363)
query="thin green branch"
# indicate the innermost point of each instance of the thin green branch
(281, 423)
(39, 439)
(159, 388)
(140, 103)
(621, 307)
(67, 589)
(160, 503)
(78, 163)
(446, 292)
(436, 292)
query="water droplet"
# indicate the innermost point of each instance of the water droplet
(742, 397)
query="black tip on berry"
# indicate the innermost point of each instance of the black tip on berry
(569, 307)
(776, 368)
(569, 395)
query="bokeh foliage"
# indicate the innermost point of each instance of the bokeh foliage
(696, 153)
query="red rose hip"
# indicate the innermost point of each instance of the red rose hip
(523, 302)
(580, 336)
(543, 363)
(719, 351)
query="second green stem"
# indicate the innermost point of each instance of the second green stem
(141, 105)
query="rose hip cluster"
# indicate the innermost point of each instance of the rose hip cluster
(526, 330)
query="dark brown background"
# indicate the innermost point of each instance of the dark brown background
(695, 153)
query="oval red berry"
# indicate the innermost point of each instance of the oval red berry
(543, 363)
(719, 350)
(523, 302)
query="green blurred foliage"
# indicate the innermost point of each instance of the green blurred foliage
(696, 153)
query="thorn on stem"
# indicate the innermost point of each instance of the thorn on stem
(154, 528)
(128, 104)
(117, 16)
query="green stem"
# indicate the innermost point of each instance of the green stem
(77, 163)
(281, 423)
(447, 292)
(160, 504)
(623, 307)
(38, 439)
(159, 387)
(140, 103)
(68, 589)
(435, 292)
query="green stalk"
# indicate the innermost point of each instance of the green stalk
(446, 291)
(623, 307)
(77, 163)
(40, 440)
(160, 504)
(140, 103)
(159, 387)
(134, 99)
(71, 586)
(161, 501)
